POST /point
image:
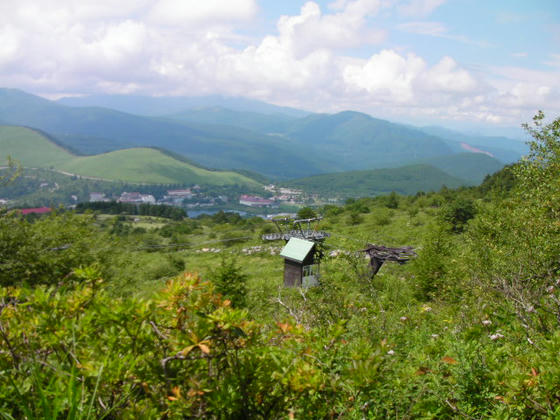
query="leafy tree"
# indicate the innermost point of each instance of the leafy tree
(230, 281)
(431, 266)
(516, 240)
(392, 200)
(48, 249)
(306, 213)
(458, 212)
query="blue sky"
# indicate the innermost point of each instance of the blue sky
(495, 32)
(458, 63)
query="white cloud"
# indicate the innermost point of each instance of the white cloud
(447, 76)
(312, 30)
(525, 91)
(394, 78)
(387, 76)
(9, 45)
(191, 48)
(196, 11)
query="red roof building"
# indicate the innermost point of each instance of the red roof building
(36, 210)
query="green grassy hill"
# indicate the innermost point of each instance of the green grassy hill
(140, 165)
(405, 180)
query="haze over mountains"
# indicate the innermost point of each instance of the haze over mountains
(237, 133)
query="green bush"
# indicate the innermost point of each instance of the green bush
(48, 249)
(230, 281)
(458, 212)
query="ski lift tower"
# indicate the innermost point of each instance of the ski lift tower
(302, 255)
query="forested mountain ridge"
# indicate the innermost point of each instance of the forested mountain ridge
(98, 130)
(276, 145)
(403, 180)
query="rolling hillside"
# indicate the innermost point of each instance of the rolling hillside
(98, 130)
(138, 165)
(242, 139)
(405, 180)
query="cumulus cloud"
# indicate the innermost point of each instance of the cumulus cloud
(188, 47)
(312, 30)
(387, 76)
(207, 11)
(9, 45)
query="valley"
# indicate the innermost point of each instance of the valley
(330, 157)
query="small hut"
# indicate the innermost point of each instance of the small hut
(301, 267)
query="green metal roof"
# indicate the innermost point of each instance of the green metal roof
(297, 249)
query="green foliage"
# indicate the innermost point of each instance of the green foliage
(230, 281)
(306, 213)
(113, 207)
(392, 200)
(354, 218)
(471, 167)
(48, 249)
(516, 240)
(432, 265)
(458, 212)
(500, 182)
(404, 180)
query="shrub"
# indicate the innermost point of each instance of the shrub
(457, 213)
(230, 281)
(306, 213)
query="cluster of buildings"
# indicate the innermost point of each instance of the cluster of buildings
(281, 196)
(193, 198)
(125, 197)
(255, 201)
(136, 198)
(187, 197)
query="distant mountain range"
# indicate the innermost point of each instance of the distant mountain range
(238, 133)
(156, 106)
(93, 130)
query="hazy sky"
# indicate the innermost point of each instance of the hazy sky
(422, 61)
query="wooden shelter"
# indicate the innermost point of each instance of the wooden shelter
(301, 263)
(378, 254)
